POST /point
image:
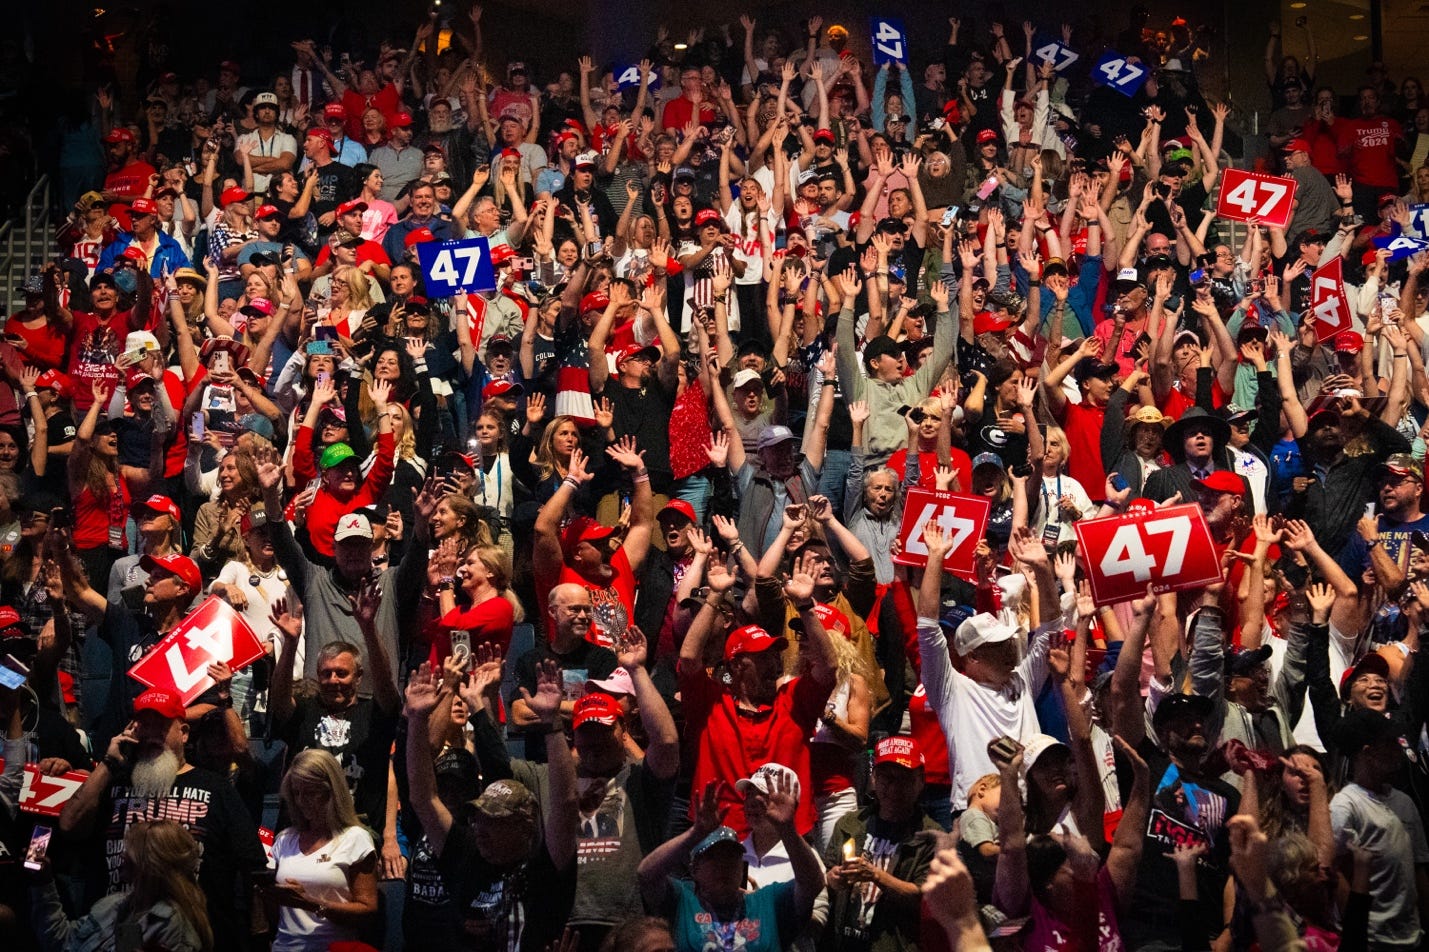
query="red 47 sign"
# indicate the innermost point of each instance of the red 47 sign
(1247, 195)
(964, 522)
(212, 632)
(1168, 549)
(1328, 303)
(48, 795)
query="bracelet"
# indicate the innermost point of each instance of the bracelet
(641, 479)
(736, 546)
(1374, 543)
(1034, 284)
(805, 606)
(114, 764)
(30, 394)
(830, 383)
(572, 482)
(285, 305)
(446, 582)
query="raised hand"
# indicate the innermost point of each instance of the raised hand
(422, 691)
(718, 450)
(631, 648)
(546, 704)
(624, 453)
(800, 586)
(577, 468)
(938, 545)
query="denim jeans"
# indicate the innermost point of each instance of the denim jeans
(834, 476)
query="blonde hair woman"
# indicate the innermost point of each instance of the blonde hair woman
(326, 885)
(1062, 500)
(350, 295)
(163, 908)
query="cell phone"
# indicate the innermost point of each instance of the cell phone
(13, 677)
(1163, 190)
(59, 518)
(324, 378)
(14, 339)
(1001, 750)
(196, 428)
(950, 215)
(1119, 483)
(989, 185)
(593, 249)
(1197, 277)
(524, 264)
(1020, 470)
(325, 332)
(39, 847)
(265, 878)
(461, 644)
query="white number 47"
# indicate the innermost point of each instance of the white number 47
(890, 39)
(1244, 196)
(1119, 72)
(1126, 553)
(444, 270)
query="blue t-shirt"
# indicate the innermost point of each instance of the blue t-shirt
(1354, 557)
(767, 914)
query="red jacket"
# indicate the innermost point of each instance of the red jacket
(327, 509)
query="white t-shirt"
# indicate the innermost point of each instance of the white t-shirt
(261, 597)
(972, 714)
(272, 147)
(748, 249)
(1389, 827)
(323, 876)
(1053, 488)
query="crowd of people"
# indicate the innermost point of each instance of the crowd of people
(586, 613)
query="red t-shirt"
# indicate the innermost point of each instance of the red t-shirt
(613, 605)
(1371, 142)
(679, 110)
(44, 345)
(385, 101)
(1177, 402)
(97, 345)
(923, 724)
(1083, 424)
(489, 623)
(1326, 146)
(92, 516)
(960, 461)
(327, 509)
(730, 745)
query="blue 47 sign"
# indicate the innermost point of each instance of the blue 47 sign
(1119, 73)
(452, 266)
(890, 42)
(1419, 219)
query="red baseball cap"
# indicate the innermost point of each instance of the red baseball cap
(678, 506)
(267, 211)
(355, 205)
(143, 206)
(54, 380)
(253, 376)
(833, 620)
(418, 236)
(1295, 145)
(502, 254)
(9, 617)
(986, 135)
(595, 301)
(67, 687)
(1349, 342)
(165, 703)
(318, 132)
(584, 529)
(163, 504)
(185, 568)
(401, 120)
(136, 378)
(501, 388)
(232, 195)
(986, 322)
(824, 135)
(133, 253)
(596, 707)
(119, 134)
(635, 350)
(708, 216)
(751, 639)
(334, 110)
(1221, 481)
(901, 750)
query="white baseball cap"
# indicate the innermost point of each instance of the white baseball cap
(746, 376)
(766, 780)
(352, 525)
(981, 629)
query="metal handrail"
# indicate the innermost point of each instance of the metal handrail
(27, 241)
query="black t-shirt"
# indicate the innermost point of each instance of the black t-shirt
(61, 431)
(1183, 810)
(208, 806)
(361, 740)
(523, 907)
(586, 661)
(336, 184)
(644, 413)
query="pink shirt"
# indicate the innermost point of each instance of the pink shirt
(1050, 934)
